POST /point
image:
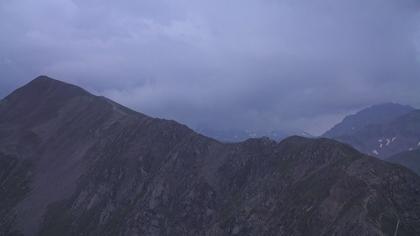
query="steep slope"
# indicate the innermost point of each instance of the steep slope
(409, 159)
(374, 115)
(76, 164)
(400, 135)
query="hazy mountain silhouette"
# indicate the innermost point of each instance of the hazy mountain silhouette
(383, 137)
(374, 115)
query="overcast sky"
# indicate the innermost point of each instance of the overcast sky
(241, 64)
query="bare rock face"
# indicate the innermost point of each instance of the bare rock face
(75, 164)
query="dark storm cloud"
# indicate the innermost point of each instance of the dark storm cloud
(262, 65)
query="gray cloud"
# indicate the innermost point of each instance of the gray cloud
(256, 64)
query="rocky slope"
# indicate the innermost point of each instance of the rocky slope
(76, 164)
(374, 115)
(385, 139)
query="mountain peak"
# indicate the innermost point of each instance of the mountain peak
(373, 115)
(43, 96)
(45, 84)
(44, 78)
(68, 156)
(44, 87)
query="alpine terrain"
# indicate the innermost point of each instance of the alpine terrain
(72, 163)
(383, 139)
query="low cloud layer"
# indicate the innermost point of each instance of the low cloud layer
(238, 64)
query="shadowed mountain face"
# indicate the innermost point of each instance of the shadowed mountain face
(384, 139)
(76, 164)
(374, 115)
(409, 159)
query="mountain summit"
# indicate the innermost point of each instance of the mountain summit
(44, 87)
(398, 132)
(374, 115)
(72, 163)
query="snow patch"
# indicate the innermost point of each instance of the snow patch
(375, 152)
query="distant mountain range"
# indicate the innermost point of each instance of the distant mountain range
(388, 131)
(237, 135)
(72, 163)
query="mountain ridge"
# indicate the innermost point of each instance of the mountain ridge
(384, 140)
(80, 165)
(373, 115)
